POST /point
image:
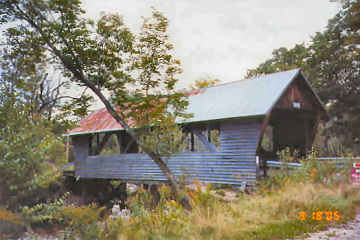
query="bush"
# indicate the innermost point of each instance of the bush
(312, 170)
(29, 158)
(86, 222)
(272, 215)
(272, 212)
(10, 224)
(44, 213)
(220, 192)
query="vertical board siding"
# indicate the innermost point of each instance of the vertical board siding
(241, 139)
(81, 150)
(235, 164)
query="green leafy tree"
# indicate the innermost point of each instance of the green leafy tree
(102, 56)
(30, 153)
(282, 59)
(331, 62)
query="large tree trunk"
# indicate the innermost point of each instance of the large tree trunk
(155, 157)
(78, 74)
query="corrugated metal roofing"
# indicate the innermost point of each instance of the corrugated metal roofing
(98, 121)
(244, 98)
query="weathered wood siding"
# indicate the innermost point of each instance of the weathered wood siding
(81, 150)
(206, 167)
(236, 163)
(241, 139)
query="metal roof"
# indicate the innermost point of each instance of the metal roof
(244, 98)
(250, 97)
(98, 121)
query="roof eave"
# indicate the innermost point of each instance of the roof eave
(182, 123)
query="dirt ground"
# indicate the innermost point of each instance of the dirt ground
(346, 231)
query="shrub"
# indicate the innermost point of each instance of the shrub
(44, 213)
(11, 225)
(312, 170)
(273, 215)
(220, 192)
(84, 222)
(29, 155)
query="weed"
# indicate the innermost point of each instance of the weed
(220, 192)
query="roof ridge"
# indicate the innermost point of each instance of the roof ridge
(246, 79)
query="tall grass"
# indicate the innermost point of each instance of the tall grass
(271, 212)
(256, 216)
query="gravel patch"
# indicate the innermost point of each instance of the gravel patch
(346, 231)
(29, 236)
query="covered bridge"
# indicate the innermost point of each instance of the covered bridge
(254, 119)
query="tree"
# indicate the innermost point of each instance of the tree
(102, 56)
(29, 150)
(31, 85)
(204, 82)
(331, 62)
(354, 18)
(282, 59)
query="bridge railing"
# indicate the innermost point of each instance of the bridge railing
(340, 161)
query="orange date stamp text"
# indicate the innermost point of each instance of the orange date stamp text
(319, 216)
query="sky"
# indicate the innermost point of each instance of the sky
(223, 39)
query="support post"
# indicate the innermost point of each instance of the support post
(119, 140)
(265, 167)
(67, 148)
(192, 142)
(208, 145)
(123, 194)
(127, 144)
(97, 140)
(101, 144)
(90, 144)
(155, 195)
(81, 152)
(257, 166)
(308, 137)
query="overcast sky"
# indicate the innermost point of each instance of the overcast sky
(225, 38)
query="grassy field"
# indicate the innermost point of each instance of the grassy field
(288, 204)
(272, 215)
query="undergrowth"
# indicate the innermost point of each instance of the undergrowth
(282, 207)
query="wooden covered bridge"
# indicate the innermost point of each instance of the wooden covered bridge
(254, 119)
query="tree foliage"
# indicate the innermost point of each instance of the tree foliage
(204, 82)
(137, 71)
(30, 153)
(331, 63)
